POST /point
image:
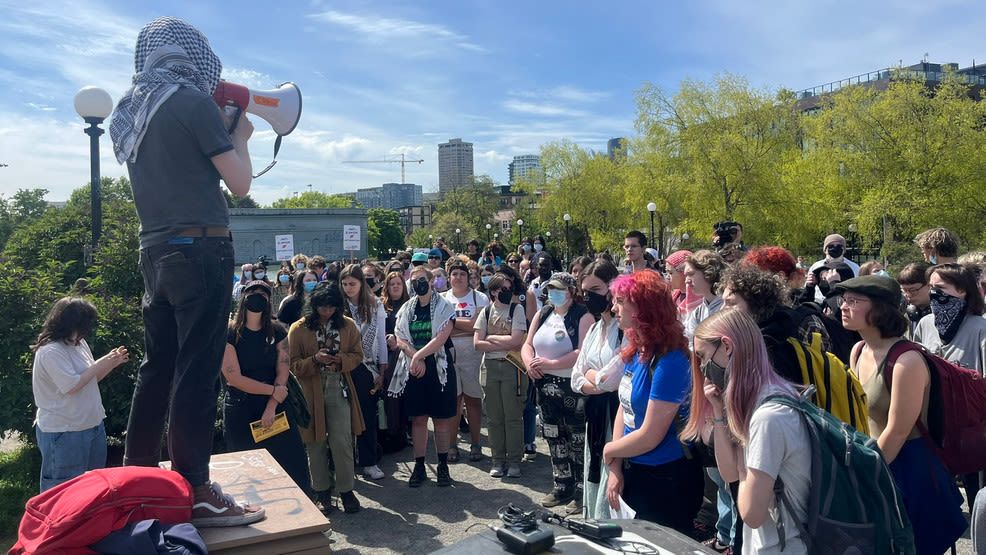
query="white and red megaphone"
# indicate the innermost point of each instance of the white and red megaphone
(280, 107)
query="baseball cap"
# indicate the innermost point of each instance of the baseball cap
(419, 257)
(561, 280)
(434, 253)
(882, 288)
(257, 283)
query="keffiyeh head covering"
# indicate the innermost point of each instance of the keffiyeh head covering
(170, 54)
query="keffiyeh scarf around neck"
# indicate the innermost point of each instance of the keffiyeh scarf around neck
(170, 54)
(442, 312)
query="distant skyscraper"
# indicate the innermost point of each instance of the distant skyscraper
(523, 166)
(390, 196)
(616, 147)
(455, 167)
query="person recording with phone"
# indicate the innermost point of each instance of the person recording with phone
(175, 141)
(325, 347)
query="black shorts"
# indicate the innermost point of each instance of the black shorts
(425, 396)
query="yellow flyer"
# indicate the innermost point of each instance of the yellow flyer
(260, 433)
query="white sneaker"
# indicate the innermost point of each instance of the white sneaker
(497, 470)
(513, 471)
(373, 473)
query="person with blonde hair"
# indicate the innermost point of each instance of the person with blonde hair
(938, 245)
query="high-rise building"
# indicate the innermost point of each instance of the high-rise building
(525, 166)
(389, 196)
(616, 147)
(455, 166)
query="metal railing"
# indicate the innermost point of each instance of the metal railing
(885, 74)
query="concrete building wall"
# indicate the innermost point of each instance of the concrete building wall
(315, 231)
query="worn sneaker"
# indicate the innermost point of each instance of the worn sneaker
(349, 502)
(530, 453)
(324, 501)
(418, 476)
(444, 479)
(513, 471)
(373, 473)
(498, 470)
(215, 509)
(715, 545)
(574, 507)
(557, 497)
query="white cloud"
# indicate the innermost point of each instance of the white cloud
(398, 32)
(546, 110)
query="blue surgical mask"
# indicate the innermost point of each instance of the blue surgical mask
(309, 285)
(527, 248)
(259, 275)
(538, 247)
(933, 259)
(248, 275)
(485, 280)
(301, 265)
(881, 273)
(283, 278)
(557, 297)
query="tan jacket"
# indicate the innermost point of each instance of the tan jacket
(302, 344)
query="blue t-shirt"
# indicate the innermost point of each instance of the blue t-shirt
(672, 382)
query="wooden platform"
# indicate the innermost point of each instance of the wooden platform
(293, 524)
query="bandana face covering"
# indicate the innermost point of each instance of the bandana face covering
(949, 312)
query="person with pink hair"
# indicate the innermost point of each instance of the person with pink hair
(756, 443)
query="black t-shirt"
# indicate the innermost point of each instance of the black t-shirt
(257, 357)
(421, 325)
(174, 181)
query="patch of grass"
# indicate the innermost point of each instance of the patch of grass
(19, 470)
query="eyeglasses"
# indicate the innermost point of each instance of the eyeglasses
(913, 289)
(513, 261)
(851, 302)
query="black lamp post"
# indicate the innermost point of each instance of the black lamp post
(488, 227)
(568, 243)
(651, 207)
(458, 240)
(94, 105)
(520, 225)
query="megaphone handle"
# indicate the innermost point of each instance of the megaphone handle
(236, 119)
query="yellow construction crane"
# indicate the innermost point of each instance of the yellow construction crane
(402, 162)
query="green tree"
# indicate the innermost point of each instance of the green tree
(316, 199)
(28, 204)
(474, 204)
(385, 233)
(233, 201)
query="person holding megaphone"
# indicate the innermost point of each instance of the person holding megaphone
(175, 141)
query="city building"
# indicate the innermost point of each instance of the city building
(389, 196)
(312, 231)
(616, 147)
(415, 217)
(930, 73)
(527, 166)
(455, 165)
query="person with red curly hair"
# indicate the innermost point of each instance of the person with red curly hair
(646, 461)
(777, 260)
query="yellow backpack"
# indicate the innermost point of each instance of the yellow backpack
(837, 390)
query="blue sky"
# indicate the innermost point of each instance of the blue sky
(381, 78)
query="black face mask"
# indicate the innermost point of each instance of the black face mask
(256, 303)
(420, 286)
(835, 251)
(371, 282)
(595, 302)
(505, 296)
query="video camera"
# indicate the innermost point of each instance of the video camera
(724, 233)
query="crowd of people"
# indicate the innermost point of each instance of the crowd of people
(647, 377)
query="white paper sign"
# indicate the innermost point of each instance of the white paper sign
(350, 237)
(284, 246)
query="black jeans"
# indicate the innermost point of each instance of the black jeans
(669, 494)
(187, 297)
(366, 442)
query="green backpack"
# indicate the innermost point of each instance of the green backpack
(854, 505)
